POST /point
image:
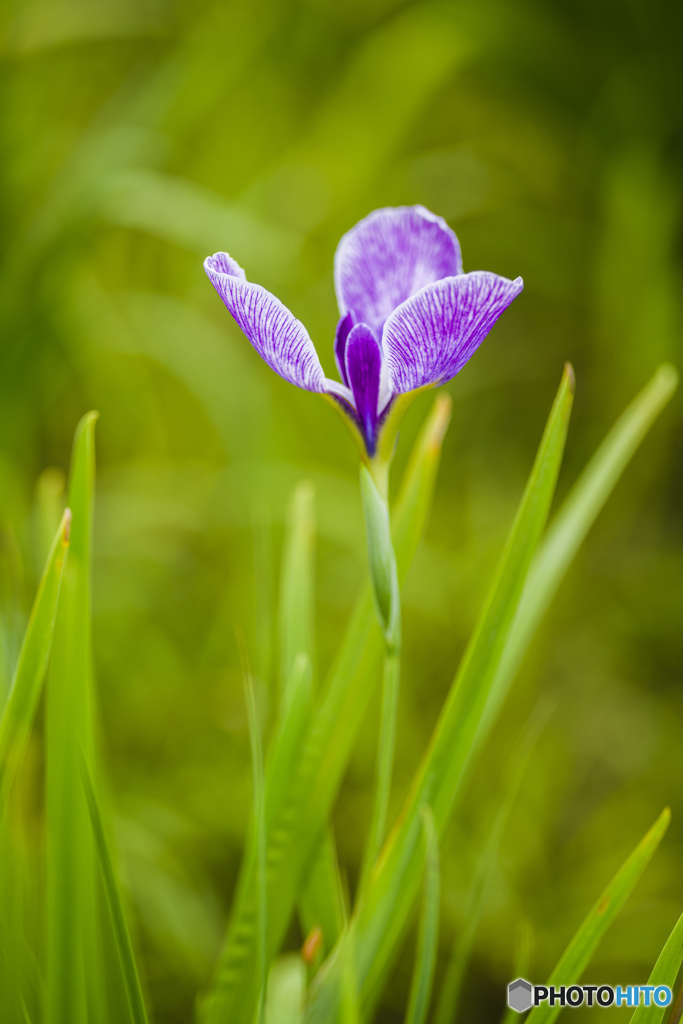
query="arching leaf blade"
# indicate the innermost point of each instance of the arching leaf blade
(19, 712)
(580, 950)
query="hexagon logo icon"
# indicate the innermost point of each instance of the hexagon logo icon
(520, 995)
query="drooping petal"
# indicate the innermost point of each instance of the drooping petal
(430, 337)
(278, 337)
(390, 255)
(363, 371)
(342, 333)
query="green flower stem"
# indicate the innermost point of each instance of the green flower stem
(384, 577)
(385, 762)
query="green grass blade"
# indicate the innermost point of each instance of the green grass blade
(279, 770)
(578, 953)
(15, 727)
(285, 744)
(664, 972)
(320, 904)
(48, 509)
(323, 904)
(260, 838)
(381, 915)
(286, 991)
(521, 965)
(569, 527)
(474, 904)
(296, 615)
(124, 946)
(428, 932)
(385, 763)
(325, 751)
(20, 709)
(70, 868)
(349, 1010)
(11, 931)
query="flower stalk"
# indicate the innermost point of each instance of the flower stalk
(387, 598)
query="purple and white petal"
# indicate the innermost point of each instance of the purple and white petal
(387, 257)
(341, 334)
(363, 372)
(278, 337)
(430, 337)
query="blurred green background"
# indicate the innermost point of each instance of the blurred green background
(137, 137)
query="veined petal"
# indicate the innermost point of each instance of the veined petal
(387, 257)
(342, 333)
(278, 337)
(363, 372)
(432, 335)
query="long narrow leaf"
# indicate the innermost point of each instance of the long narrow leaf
(288, 734)
(522, 963)
(325, 751)
(381, 915)
(295, 618)
(12, 938)
(575, 518)
(259, 820)
(428, 932)
(15, 726)
(124, 946)
(578, 953)
(21, 705)
(70, 890)
(286, 991)
(320, 904)
(386, 743)
(664, 972)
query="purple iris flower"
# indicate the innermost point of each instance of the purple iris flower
(410, 317)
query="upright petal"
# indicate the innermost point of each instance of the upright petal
(430, 337)
(389, 256)
(342, 333)
(363, 371)
(278, 337)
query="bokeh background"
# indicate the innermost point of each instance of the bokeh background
(137, 137)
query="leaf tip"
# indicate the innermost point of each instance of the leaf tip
(668, 377)
(570, 376)
(89, 419)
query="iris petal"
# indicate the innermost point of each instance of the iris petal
(429, 338)
(342, 333)
(363, 371)
(278, 337)
(389, 256)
